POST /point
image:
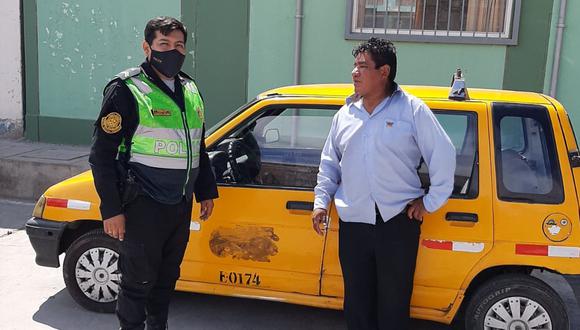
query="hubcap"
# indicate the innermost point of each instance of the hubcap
(517, 313)
(97, 274)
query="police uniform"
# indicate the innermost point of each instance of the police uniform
(148, 160)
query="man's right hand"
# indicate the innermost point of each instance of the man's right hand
(115, 227)
(319, 220)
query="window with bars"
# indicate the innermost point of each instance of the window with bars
(446, 21)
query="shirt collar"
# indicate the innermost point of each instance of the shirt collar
(356, 100)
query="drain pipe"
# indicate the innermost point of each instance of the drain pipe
(297, 66)
(558, 49)
(298, 42)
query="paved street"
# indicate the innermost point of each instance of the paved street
(34, 297)
(13, 215)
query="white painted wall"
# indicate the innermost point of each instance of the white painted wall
(10, 67)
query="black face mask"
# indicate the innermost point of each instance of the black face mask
(168, 63)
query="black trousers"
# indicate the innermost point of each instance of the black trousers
(156, 236)
(378, 265)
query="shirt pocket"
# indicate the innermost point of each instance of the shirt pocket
(396, 135)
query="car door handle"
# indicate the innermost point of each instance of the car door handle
(298, 205)
(461, 216)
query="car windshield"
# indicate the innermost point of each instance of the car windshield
(230, 117)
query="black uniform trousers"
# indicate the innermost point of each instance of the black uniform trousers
(378, 265)
(156, 236)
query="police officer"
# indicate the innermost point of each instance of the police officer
(148, 160)
(368, 165)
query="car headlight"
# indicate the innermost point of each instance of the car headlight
(39, 207)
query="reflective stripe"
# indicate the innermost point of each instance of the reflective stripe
(72, 204)
(191, 86)
(129, 73)
(78, 205)
(548, 250)
(143, 87)
(563, 251)
(195, 226)
(437, 244)
(173, 148)
(470, 247)
(160, 162)
(167, 133)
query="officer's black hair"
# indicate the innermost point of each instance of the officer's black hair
(165, 25)
(382, 52)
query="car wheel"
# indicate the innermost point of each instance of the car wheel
(91, 272)
(516, 302)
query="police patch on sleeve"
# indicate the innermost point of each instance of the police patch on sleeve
(111, 123)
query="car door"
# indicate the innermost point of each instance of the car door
(457, 236)
(260, 234)
(536, 206)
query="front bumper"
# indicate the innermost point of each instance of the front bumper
(45, 238)
(574, 281)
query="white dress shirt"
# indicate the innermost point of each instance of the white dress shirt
(372, 159)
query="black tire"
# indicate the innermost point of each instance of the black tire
(523, 290)
(105, 249)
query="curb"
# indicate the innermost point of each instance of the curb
(29, 180)
(27, 169)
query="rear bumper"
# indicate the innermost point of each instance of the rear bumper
(574, 281)
(45, 238)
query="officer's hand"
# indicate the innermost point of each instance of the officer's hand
(417, 209)
(115, 227)
(206, 209)
(319, 221)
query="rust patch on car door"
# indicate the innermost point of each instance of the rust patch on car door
(244, 242)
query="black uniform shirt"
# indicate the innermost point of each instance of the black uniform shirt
(117, 98)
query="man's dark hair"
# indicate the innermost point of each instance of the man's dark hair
(382, 52)
(165, 25)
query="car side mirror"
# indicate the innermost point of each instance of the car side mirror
(272, 135)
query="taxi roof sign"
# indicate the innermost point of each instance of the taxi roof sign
(458, 87)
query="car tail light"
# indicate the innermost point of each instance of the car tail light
(39, 207)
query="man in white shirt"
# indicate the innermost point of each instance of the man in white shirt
(369, 166)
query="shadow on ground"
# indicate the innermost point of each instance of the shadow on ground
(198, 311)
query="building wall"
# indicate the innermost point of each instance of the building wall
(271, 45)
(74, 47)
(80, 46)
(241, 48)
(326, 55)
(219, 33)
(569, 73)
(10, 71)
(525, 64)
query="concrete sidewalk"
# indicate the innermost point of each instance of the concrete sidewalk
(27, 169)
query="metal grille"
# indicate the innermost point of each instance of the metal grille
(451, 21)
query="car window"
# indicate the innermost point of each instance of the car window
(461, 127)
(297, 129)
(526, 160)
(280, 147)
(512, 133)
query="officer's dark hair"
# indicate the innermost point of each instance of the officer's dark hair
(165, 25)
(382, 52)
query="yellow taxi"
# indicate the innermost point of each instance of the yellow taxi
(514, 209)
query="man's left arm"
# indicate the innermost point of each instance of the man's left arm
(439, 154)
(205, 188)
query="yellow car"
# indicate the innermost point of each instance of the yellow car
(514, 209)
